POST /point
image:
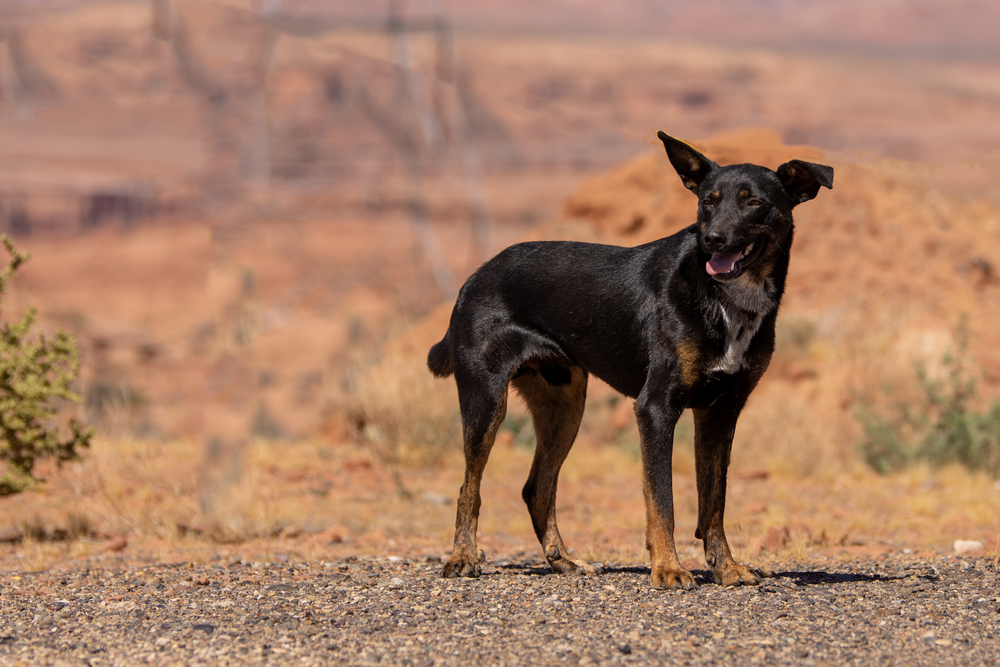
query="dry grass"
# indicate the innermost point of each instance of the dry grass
(399, 411)
(311, 500)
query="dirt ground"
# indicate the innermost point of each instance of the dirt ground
(366, 611)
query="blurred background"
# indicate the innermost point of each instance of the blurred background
(241, 209)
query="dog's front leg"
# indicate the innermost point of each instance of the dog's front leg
(714, 429)
(657, 419)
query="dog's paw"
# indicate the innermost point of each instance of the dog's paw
(567, 566)
(563, 565)
(734, 574)
(461, 568)
(666, 578)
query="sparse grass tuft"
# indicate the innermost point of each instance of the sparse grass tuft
(400, 412)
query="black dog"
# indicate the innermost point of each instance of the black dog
(683, 322)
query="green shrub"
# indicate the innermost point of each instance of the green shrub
(940, 427)
(35, 374)
(882, 448)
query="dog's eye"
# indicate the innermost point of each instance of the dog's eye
(754, 202)
(708, 202)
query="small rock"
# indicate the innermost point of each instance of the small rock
(333, 535)
(692, 564)
(437, 498)
(776, 538)
(11, 535)
(291, 532)
(799, 532)
(969, 548)
(114, 545)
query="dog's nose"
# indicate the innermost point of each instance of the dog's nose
(714, 240)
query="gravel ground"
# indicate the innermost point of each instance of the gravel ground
(895, 611)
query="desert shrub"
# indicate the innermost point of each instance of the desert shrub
(400, 412)
(940, 426)
(36, 373)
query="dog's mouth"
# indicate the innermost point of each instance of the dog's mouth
(725, 266)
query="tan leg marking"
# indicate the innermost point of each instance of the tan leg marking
(556, 413)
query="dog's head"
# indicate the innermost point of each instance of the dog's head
(745, 211)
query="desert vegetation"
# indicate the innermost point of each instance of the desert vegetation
(941, 425)
(36, 377)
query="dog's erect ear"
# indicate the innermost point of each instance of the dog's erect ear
(802, 179)
(691, 165)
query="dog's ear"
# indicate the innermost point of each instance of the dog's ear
(802, 179)
(691, 165)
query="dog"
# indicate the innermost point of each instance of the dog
(683, 322)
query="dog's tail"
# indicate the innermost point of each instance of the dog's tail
(439, 359)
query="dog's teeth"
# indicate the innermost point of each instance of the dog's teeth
(747, 251)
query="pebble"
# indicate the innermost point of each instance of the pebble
(969, 547)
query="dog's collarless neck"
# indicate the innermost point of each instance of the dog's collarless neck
(749, 299)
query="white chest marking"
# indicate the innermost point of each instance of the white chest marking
(742, 318)
(740, 330)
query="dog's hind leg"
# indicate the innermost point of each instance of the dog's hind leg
(555, 396)
(483, 405)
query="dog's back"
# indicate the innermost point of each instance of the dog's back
(551, 300)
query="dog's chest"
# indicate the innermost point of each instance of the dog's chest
(742, 316)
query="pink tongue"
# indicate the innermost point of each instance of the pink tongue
(721, 263)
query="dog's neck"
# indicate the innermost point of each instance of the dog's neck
(748, 296)
(742, 307)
